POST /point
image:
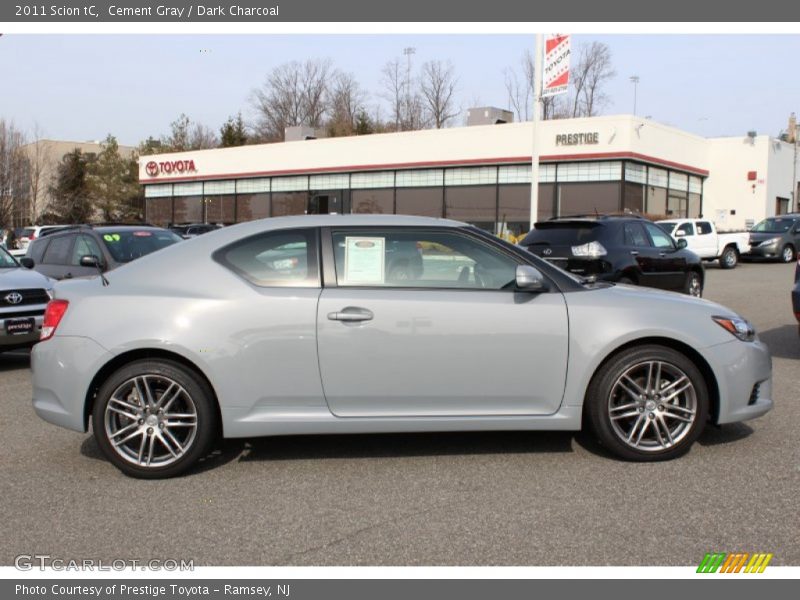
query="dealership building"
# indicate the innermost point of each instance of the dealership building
(481, 174)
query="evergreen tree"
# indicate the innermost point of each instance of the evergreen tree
(233, 132)
(70, 201)
(112, 183)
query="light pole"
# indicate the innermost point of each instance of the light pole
(635, 81)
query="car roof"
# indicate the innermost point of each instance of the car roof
(107, 228)
(350, 220)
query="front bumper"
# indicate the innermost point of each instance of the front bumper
(770, 252)
(9, 341)
(62, 371)
(744, 377)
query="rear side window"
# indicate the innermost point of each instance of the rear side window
(84, 246)
(57, 252)
(37, 249)
(703, 228)
(287, 258)
(635, 236)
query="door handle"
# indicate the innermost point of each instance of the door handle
(351, 314)
(662, 254)
(634, 253)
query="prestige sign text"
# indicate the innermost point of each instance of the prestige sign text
(577, 139)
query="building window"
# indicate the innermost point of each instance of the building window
(290, 184)
(589, 171)
(420, 178)
(212, 188)
(471, 176)
(588, 198)
(159, 211)
(252, 186)
(694, 206)
(476, 205)
(188, 209)
(514, 209)
(188, 189)
(221, 209)
(636, 173)
(372, 201)
(695, 185)
(161, 190)
(656, 202)
(425, 202)
(329, 182)
(289, 203)
(633, 199)
(379, 179)
(516, 174)
(677, 204)
(657, 177)
(252, 206)
(678, 181)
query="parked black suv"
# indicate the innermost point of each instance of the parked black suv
(67, 253)
(625, 249)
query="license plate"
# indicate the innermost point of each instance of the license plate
(19, 326)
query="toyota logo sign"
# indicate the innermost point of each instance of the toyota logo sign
(13, 298)
(152, 168)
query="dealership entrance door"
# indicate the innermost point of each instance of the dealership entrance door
(329, 202)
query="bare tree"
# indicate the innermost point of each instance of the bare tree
(40, 173)
(347, 105)
(293, 93)
(401, 89)
(188, 135)
(14, 176)
(599, 72)
(438, 87)
(202, 137)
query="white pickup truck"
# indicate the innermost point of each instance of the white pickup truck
(704, 240)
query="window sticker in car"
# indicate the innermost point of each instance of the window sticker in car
(364, 259)
(112, 237)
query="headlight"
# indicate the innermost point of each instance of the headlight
(771, 241)
(738, 327)
(592, 250)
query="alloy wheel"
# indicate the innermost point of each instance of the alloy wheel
(652, 406)
(150, 421)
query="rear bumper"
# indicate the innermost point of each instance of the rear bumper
(744, 377)
(62, 370)
(9, 341)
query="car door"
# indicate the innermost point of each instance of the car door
(706, 245)
(669, 264)
(637, 243)
(686, 231)
(426, 322)
(56, 259)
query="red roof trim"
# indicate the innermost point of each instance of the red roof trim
(437, 163)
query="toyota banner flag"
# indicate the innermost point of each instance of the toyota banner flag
(556, 65)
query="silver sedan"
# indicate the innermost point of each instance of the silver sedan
(360, 324)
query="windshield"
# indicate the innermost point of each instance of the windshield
(774, 226)
(7, 261)
(130, 244)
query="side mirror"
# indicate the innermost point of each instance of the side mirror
(26, 262)
(680, 233)
(90, 260)
(682, 244)
(530, 279)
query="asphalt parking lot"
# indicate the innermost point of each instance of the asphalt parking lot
(433, 499)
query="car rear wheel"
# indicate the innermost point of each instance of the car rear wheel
(787, 253)
(648, 403)
(729, 258)
(154, 419)
(694, 284)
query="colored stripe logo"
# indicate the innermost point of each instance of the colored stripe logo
(734, 562)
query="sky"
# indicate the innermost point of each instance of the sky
(83, 87)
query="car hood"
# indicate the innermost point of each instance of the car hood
(22, 278)
(646, 295)
(760, 237)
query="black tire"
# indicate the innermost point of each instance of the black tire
(787, 253)
(729, 258)
(599, 399)
(159, 372)
(693, 285)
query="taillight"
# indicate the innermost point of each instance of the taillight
(52, 317)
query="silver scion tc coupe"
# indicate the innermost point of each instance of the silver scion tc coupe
(362, 323)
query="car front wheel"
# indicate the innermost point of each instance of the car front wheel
(787, 254)
(154, 419)
(648, 403)
(729, 258)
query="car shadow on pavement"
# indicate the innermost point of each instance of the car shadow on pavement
(783, 341)
(724, 434)
(397, 445)
(15, 360)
